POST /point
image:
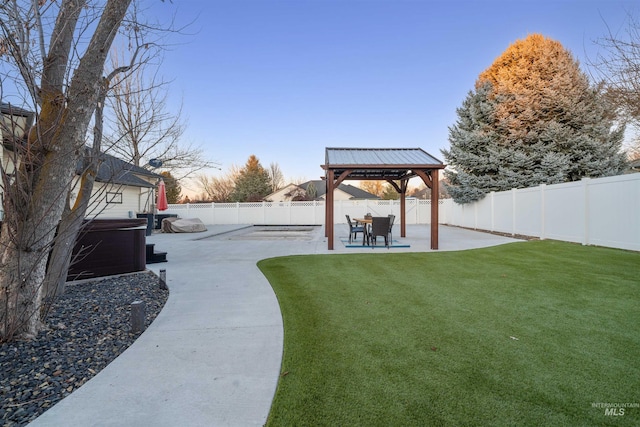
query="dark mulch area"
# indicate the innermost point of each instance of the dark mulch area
(88, 327)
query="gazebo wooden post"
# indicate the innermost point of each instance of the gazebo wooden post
(329, 216)
(431, 180)
(326, 208)
(403, 208)
(434, 208)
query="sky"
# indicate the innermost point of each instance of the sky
(283, 80)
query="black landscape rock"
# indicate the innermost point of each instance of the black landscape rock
(87, 328)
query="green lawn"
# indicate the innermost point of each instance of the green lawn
(529, 333)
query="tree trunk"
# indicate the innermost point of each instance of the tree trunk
(68, 231)
(35, 201)
(26, 238)
(72, 218)
(19, 310)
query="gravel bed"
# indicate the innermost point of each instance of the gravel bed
(87, 328)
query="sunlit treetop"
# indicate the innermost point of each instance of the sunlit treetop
(535, 78)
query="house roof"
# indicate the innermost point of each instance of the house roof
(117, 171)
(111, 168)
(379, 163)
(6, 108)
(355, 192)
(15, 119)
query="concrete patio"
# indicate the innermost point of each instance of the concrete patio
(212, 357)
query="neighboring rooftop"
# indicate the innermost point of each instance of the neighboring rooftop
(355, 192)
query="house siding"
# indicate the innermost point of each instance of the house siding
(120, 190)
(116, 201)
(281, 195)
(338, 195)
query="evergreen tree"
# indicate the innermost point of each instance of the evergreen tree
(474, 144)
(253, 182)
(533, 119)
(389, 193)
(312, 191)
(172, 187)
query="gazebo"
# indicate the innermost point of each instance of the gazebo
(394, 165)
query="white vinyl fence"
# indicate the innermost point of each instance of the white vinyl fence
(602, 211)
(300, 213)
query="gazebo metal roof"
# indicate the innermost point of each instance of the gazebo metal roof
(394, 165)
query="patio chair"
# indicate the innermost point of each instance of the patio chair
(392, 219)
(354, 229)
(380, 227)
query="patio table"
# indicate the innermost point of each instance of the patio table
(366, 222)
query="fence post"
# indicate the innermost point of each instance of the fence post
(513, 212)
(585, 186)
(543, 217)
(475, 215)
(493, 213)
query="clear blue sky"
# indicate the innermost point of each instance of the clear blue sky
(285, 79)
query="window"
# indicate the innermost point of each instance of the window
(113, 198)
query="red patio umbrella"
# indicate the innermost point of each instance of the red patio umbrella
(162, 196)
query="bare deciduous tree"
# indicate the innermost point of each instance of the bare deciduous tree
(618, 67)
(219, 189)
(73, 216)
(275, 176)
(143, 127)
(63, 77)
(373, 187)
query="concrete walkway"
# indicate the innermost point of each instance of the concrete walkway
(212, 357)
